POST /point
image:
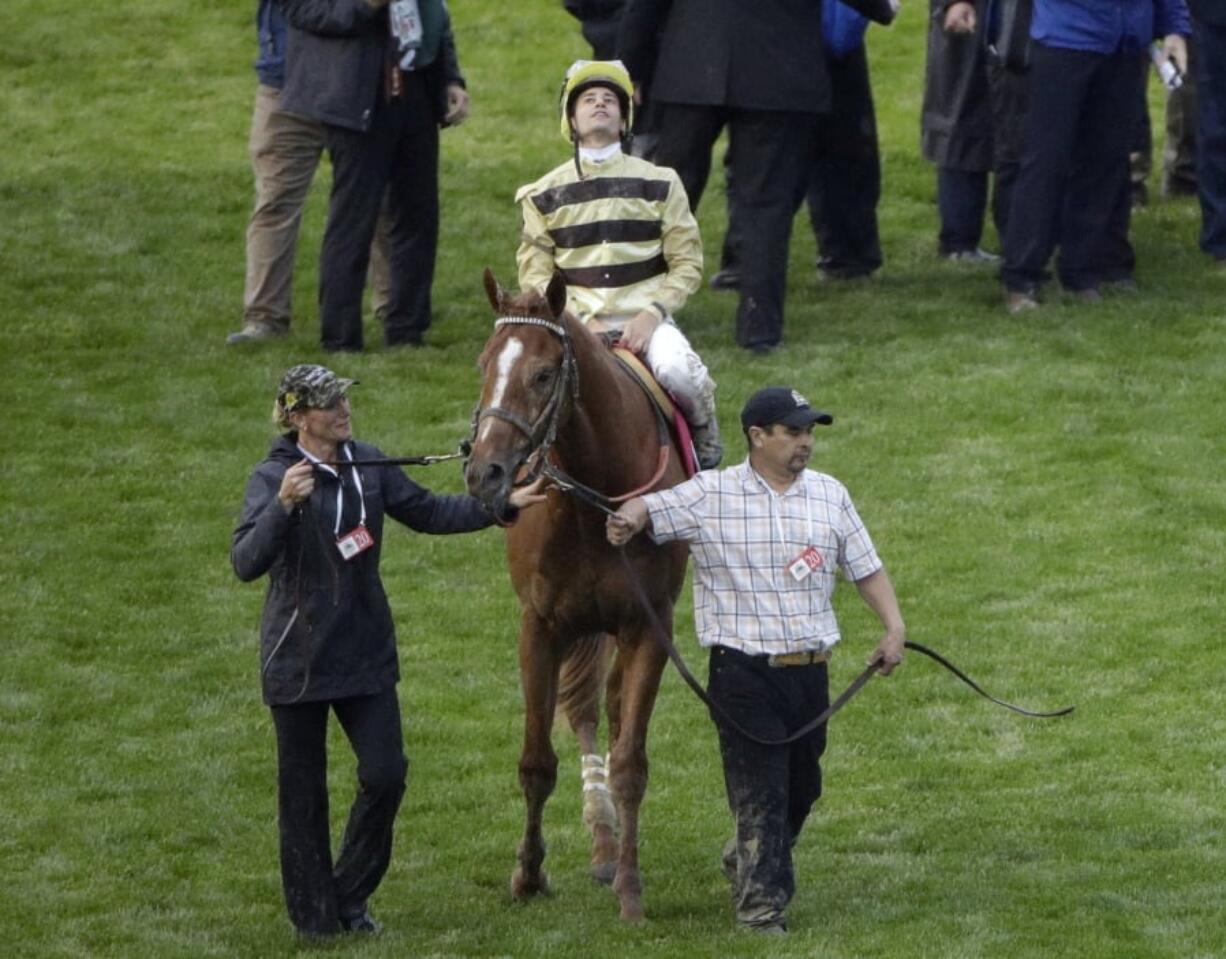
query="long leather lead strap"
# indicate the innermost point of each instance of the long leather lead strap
(721, 716)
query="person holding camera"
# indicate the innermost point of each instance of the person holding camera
(312, 521)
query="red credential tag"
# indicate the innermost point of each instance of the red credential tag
(357, 540)
(806, 564)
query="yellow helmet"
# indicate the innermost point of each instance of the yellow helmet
(596, 73)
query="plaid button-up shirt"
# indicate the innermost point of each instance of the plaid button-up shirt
(743, 536)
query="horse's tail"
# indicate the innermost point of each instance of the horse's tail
(582, 678)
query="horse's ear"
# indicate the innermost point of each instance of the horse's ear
(555, 294)
(493, 290)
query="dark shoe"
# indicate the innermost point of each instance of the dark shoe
(778, 928)
(762, 349)
(1020, 301)
(364, 923)
(829, 269)
(1176, 186)
(729, 278)
(975, 256)
(256, 332)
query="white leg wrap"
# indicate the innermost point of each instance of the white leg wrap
(598, 809)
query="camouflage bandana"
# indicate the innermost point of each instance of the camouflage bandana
(309, 385)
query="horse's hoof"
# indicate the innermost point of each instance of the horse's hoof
(524, 888)
(632, 911)
(603, 872)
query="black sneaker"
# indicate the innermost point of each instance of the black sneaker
(364, 923)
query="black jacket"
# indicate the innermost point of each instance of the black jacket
(956, 119)
(327, 630)
(745, 54)
(336, 58)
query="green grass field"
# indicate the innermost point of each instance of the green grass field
(1048, 494)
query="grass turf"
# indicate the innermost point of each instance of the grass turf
(1047, 492)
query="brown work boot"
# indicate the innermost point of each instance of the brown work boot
(254, 331)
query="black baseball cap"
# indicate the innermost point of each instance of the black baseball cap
(781, 404)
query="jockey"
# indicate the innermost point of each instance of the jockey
(621, 232)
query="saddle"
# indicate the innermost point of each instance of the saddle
(666, 405)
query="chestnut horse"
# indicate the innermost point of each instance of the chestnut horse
(551, 390)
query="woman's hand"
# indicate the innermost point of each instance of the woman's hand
(296, 485)
(529, 495)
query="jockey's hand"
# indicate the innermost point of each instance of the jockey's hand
(296, 485)
(529, 495)
(622, 526)
(457, 105)
(960, 17)
(637, 333)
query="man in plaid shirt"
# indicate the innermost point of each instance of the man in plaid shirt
(766, 536)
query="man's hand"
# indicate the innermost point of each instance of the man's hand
(889, 651)
(457, 105)
(296, 485)
(622, 526)
(529, 495)
(638, 332)
(1175, 47)
(960, 17)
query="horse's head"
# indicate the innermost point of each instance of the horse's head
(527, 378)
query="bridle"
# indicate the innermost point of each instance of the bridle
(544, 430)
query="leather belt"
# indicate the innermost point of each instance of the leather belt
(807, 658)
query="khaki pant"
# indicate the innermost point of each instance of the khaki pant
(285, 152)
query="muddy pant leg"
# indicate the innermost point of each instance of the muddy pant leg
(372, 724)
(302, 791)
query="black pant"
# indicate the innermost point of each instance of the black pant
(770, 788)
(317, 893)
(771, 152)
(1073, 182)
(398, 154)
(962, 200)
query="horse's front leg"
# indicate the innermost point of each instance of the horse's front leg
(644, 662)
(538, 763)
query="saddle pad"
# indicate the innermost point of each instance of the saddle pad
(666, 404)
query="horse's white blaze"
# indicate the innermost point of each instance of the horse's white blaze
(512, 350)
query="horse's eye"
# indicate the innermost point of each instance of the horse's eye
(542, 378)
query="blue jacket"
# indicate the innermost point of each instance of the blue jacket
(270, 32)
(1107, 26)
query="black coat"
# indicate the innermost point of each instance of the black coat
(956, 120)
(336, 59)
(1209, 11)
(327, 630)
(745, 54)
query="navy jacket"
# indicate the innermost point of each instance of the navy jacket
(1107, 26)
(327, 630)
(270, 33)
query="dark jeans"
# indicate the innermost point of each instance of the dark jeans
(962, 200)
(317, 893)
(770, 788)
(1072, 185)
(770, 151)
(398, 154)
(1211, 134)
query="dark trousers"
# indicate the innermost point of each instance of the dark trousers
(1009, 89)
(770, 788)
(1210, 42)
(770, 152)
(1072, 184)
(844, 181)
(398, 154)
(962, 201)
(317, 892)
